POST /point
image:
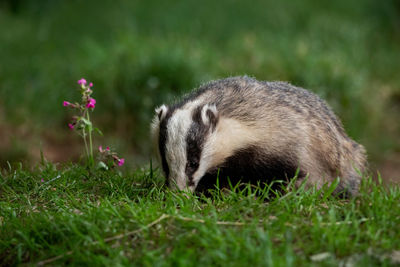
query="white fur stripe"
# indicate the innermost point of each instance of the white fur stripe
(178, 126)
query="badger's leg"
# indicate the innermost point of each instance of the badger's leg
(348, 186)
(353, 165)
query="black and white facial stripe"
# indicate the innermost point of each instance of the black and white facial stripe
(204, 121)
(182, 133)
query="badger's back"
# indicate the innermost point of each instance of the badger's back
(249, 100)
(274, 129)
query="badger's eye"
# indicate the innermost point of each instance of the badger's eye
(192, 164)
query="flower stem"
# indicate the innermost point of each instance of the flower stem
(84, 140)
(90, 129)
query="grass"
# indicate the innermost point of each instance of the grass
(107, 218)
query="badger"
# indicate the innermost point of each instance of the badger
(241, 129)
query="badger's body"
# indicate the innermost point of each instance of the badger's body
(249, 130)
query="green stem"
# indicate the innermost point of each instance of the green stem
(84, 140)
(90, 140)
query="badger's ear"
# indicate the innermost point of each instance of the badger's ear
(209, 115)
(161, 112)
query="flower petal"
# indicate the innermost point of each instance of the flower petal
(82, 81)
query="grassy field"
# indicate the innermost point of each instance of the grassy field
(140, 54)
(70, 216)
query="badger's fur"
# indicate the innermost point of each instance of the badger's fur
(249, 130)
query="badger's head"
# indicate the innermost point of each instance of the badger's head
(183, 139)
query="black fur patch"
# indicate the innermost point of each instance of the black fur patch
(162, 139)
(213, 119)
(195, 141)
(249, 165)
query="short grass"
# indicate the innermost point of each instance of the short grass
(65, 215)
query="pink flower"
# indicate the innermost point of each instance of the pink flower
(66, 103)
(121, 162)
(71, 126)
(90, 84)
(104, 150)
(91, 103)
(82, 82)
(42, 180)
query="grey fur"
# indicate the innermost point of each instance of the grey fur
(302, 127)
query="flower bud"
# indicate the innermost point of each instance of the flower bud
(82, 82)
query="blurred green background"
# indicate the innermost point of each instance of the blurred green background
(140, 54)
